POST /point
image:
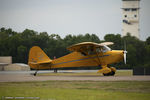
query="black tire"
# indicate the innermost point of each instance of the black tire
(35, 73)
(106, 74)
(112, 73)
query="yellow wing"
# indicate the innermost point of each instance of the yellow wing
(84, 45)
(106, 43)
(87, 46)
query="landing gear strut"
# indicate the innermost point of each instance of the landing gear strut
(112, 73)
(55, 70)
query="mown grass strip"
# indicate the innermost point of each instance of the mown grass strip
(78, 90)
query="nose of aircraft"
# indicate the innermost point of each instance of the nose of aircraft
(123, 55)
(119, 55)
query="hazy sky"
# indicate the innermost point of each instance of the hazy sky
(70, 16)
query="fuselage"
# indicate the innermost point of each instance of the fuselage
(86, 58)
(77, 59)
(85, 54)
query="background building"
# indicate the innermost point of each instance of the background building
(130, 17)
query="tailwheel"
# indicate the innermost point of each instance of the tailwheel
(35, 73)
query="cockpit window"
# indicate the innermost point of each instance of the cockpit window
(91, 51)
(98, 50)
(83, 54)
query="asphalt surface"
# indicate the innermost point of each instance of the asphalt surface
(23, 76)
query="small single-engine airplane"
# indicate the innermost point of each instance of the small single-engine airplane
(84, 54)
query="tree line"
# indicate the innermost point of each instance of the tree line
(18, 44)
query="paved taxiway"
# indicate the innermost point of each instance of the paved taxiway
(23, 76)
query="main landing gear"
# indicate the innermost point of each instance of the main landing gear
(55, 70)
(112, 73)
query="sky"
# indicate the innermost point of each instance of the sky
(65, 17)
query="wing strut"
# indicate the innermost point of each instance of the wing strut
(98, 58)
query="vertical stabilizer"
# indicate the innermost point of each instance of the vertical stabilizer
(37, 56)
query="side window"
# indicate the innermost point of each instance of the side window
(98, 50)
(91, 51)
(83, 54)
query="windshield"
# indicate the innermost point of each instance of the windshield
(105, 48)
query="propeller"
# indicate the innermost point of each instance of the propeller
(125, 56)
(125, 53)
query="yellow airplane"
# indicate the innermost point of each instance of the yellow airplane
(83, 54)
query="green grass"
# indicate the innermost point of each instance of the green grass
(118, 73)
(124, 73)
(78, 90)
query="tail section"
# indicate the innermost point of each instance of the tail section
(38, 58)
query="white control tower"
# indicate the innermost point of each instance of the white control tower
(130, 17)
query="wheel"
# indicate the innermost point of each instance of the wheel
(108, 74)
(105, 74)
(35, 73)
(112, 73)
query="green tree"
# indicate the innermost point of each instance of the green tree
(148, 41)
(22, 54)
(18, 45)
(118, 43)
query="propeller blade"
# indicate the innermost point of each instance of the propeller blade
(125, 56)
(125, 52)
